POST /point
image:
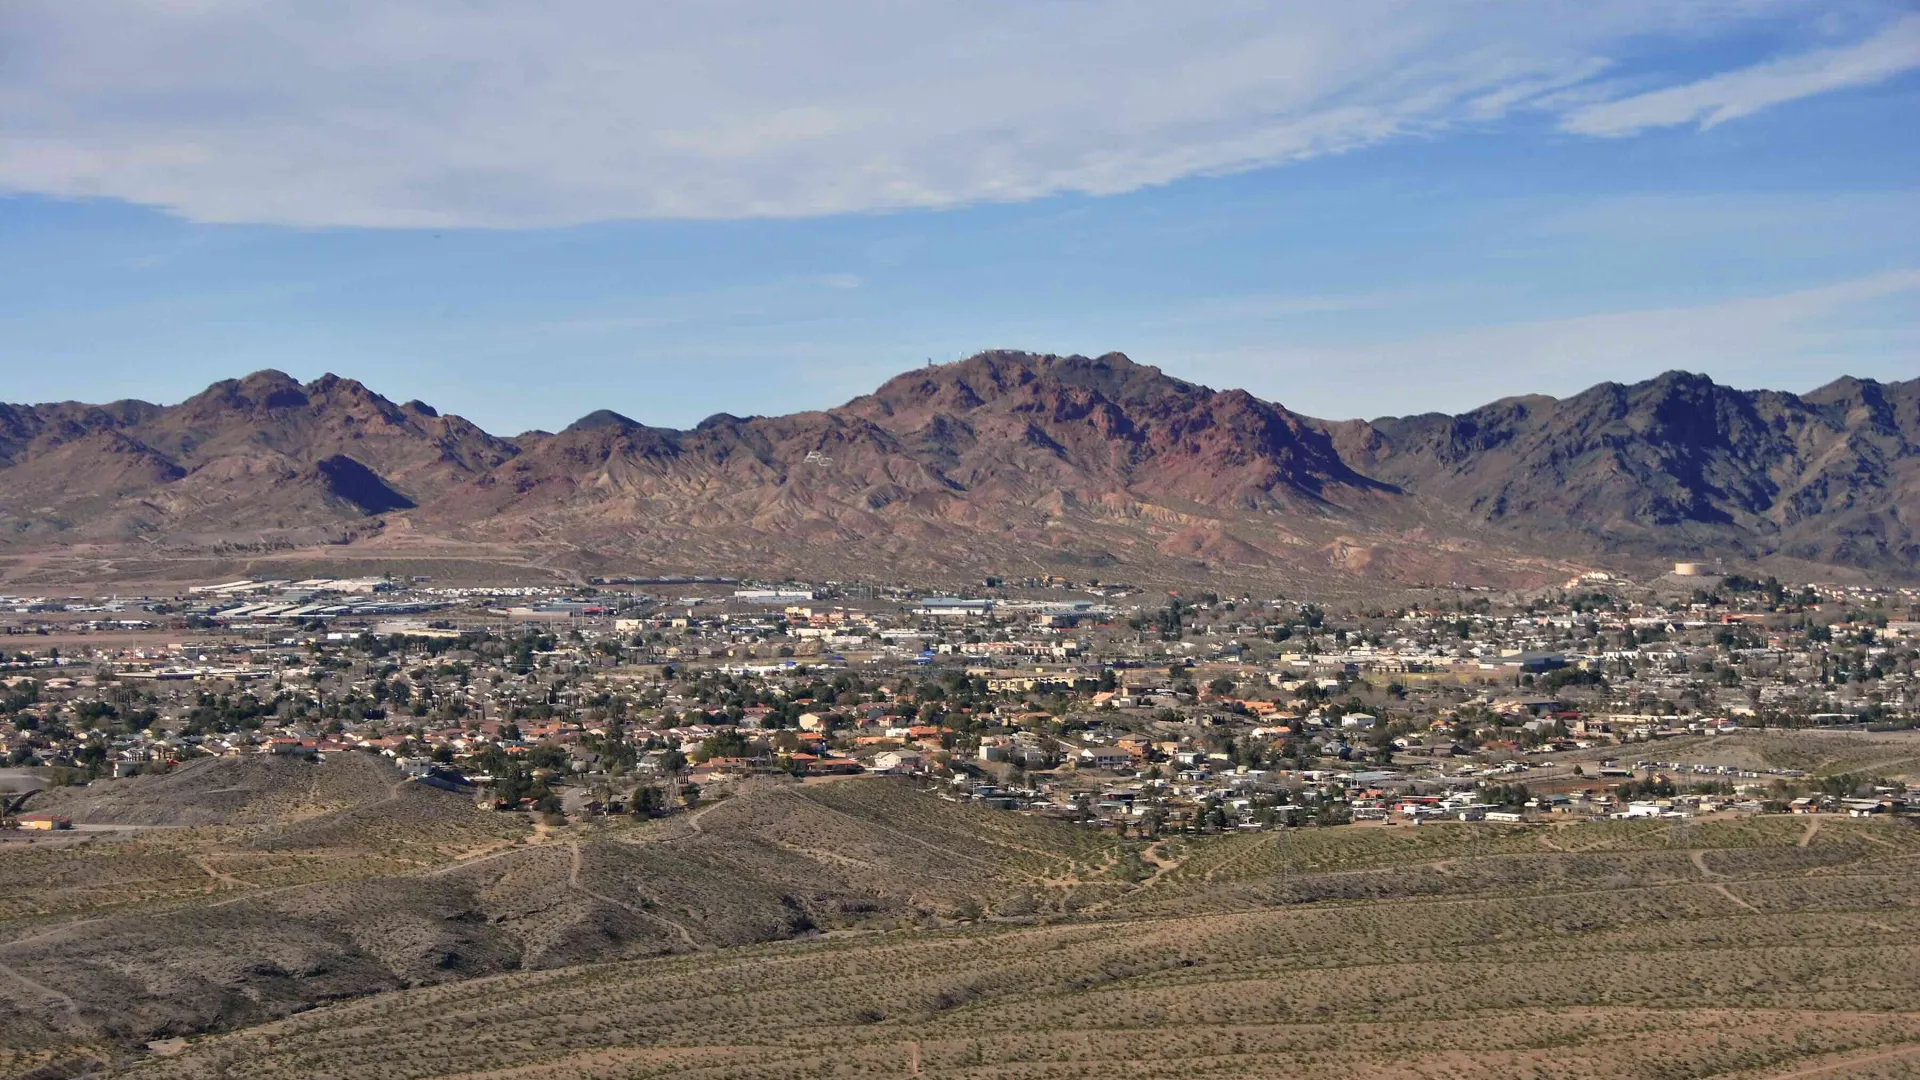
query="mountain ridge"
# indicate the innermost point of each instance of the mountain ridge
(1005, 462)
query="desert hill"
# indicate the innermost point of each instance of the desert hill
(1654, 976)
(359, 925)
(1008, 463)
(283, 883)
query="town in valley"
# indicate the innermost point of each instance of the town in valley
(1145, 712)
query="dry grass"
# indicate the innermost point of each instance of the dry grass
(1620, 951)
(341, 881)
(1672, 983)
(957, 941)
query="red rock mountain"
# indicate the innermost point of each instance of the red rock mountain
(1677, 465)
(263, 454)
(1008, 463)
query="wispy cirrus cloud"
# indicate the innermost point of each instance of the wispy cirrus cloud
(500, 113)
(1732, 95)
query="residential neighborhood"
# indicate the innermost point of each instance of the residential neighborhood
(1089, 702)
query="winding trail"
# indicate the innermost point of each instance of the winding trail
(1714, 878)
(691, 819)
(220, 875)
(573, 882)
(904, 835)
(1162, 863)
(1850, 1063)
(1728, 893)
(44, 991)
(513, 849)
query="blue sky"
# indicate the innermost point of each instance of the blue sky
(525, 212)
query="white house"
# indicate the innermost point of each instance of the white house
(1105, 757)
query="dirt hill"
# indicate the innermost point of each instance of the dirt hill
(286, 883)
(1622, 950)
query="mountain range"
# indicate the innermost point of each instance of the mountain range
(1007, 463)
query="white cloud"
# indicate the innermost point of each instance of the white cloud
(1735, 94)
(506, 113)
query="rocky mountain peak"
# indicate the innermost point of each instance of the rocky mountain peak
(265, 389)
(602, 418)
(1003, 376)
